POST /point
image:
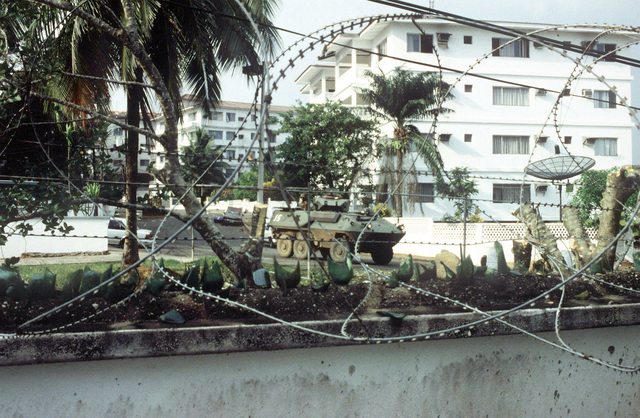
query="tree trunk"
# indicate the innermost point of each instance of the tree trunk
(542, 236)
(620, 186)
(130, 253)
(582, 247)
(521, 255)
(398, 186)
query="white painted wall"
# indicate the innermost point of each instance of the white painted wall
(486, 376)
(89, 234)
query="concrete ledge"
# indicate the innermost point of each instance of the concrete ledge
(180, 341)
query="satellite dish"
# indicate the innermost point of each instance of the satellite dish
(559, 167)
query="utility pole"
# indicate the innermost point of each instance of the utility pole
(263, 130)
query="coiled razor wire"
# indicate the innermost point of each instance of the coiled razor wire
(344, 26)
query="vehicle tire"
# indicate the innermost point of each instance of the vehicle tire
(382, 255)
(337, 252)
(300, 248)
(284, 245)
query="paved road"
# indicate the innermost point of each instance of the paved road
(183, 247)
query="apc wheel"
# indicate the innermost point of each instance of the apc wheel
(284, 245)
(382, 255)
(300, 248)
(339, 252)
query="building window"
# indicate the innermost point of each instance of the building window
(117, 132)
(230, 136)
(231, 154)
(604, 99)
(425, 191)
(468, 88)
(519, 48)
(231, 117)
(511, 96)
(467, 137)
(468, 40)
(192, 116)
(381, 49)
(253, 136)
(606, 49)
(144, 163)
(567, 140)
(272, 138)
(508, 144)
(215, 134)
(419, 43)
(510, 193)
(605, 146)
(216, 116)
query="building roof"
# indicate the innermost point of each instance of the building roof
(223, 104)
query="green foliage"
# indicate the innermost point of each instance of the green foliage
(341, 273)
(201, 162)
(249, 179)
(458, 186)
(328, 142)
(385, 211)
(405, 270)
(587, 196)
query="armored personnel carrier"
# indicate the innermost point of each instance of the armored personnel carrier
(329, 221)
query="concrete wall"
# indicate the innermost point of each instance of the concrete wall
(494, 376)
(89, 234)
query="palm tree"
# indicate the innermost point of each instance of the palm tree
(187, 44)
(202, 163)
(401, 98)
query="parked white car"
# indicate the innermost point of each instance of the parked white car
(116, 230)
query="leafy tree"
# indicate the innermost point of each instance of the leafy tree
(587, 196)
(202, 163)
(458, 187)
(157, 45)
(248, 181)
(328, 145)
(401, 98)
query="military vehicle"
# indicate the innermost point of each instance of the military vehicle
(329, 221)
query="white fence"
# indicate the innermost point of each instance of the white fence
(426, 238)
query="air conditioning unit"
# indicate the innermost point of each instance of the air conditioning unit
(587, 92)
(541, 188)
(443, 40)
(445, 137)
(589, 141)
(541, 139)
(541, 92)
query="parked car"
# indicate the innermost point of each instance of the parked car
(116, 230)
(232, 216)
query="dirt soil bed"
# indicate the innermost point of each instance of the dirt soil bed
(303, 304)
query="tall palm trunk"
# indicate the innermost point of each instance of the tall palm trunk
(130, 253)
(399, 183)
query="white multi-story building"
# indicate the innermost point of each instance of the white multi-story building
(503, 115)
(231, 125)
